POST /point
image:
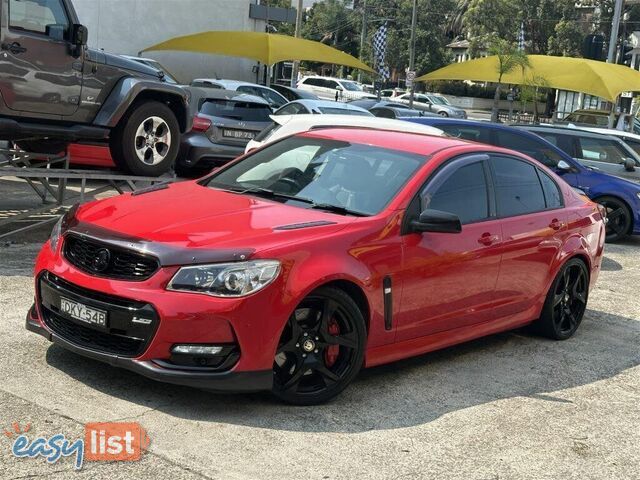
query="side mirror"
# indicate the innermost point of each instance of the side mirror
(563, 166)
(79, 35)
(629, 164)
(436, 221)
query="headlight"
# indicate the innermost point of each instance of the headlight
(56, 233)
(61, 226)
(226, 279)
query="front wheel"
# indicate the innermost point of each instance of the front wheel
(566, 301)
(321, 349)
(443, 114)
(147, 140)
(618, 218)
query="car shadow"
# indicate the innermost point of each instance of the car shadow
(403, 394)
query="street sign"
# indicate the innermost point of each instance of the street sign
(411, 76)
(626, 94)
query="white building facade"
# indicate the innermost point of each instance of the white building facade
(129, 26)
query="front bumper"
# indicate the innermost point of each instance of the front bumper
(229, 381)
(251, 325)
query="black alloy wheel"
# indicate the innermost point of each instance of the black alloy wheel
(618, 218)
(321, 348)
(566, 301)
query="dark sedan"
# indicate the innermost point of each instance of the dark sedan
(292, 94)
(225, 123)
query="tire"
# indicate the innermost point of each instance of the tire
(566, 302)
(443, 114)
(619, 218)
(321, 349)
(45, 147)
(147, 140)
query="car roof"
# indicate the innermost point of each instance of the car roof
(311, 121)
(608, 131)
(591, 111)
(404, 141)
(566, 130)
(311, 103)
(330, 78)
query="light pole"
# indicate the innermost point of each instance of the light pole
(615, 26)
(296, 63)
(412, 49)
(363, 36)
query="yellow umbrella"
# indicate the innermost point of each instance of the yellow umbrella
(267, 48)
(601, 79)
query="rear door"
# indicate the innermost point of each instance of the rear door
(38, 72)
(534, 223)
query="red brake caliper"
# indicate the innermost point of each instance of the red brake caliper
(332, 351)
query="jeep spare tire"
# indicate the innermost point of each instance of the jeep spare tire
(147, 139)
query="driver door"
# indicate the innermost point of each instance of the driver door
(449, 278)
(39, 74)
(608, 156)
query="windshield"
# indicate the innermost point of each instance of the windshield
(439, 100)
(321, 173)
(244, 111)
(343, 111)
(351, 86)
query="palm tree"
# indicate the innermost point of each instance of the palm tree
(509, 58)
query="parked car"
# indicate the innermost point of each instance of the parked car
(620, 197)
(391, 92)
(432, 103)
(303, 107)
(292, 94)
(295, 266)
(56, 91)
(149, 62)
(226, 122)
(603, 152)
(369, 103)
(329, 88)
(274, 99)
(600, 119)
(395, 112)
(285, 125)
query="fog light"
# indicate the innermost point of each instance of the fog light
(196, 349)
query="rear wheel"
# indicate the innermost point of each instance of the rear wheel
(147, 140)
(566, 301)
(618, 218)
(443, 114)
(321, 349)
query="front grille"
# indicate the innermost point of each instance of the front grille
(105, 260)
(93, 339)
(124, 335)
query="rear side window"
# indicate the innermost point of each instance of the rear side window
(552, 193)
(35, 16)
(464, 193)
(467, 132)
(635, 144)
(523, 144)
(314, 82)
(292, 109)
(563, 142)
(241, 111)
(518, 188)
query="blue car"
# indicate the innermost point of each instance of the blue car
(620, 197)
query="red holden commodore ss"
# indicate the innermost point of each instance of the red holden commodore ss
(292, 268)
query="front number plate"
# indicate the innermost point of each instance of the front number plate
(83, 313)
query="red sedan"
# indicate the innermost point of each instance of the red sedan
(293, 267)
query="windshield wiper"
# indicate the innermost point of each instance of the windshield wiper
(336, 209)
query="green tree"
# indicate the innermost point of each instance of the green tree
(509, 59)
(486, 20)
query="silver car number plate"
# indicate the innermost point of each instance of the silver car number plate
(83, 313)
(243, 134)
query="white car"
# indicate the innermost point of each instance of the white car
(329, 88)
(269, 94)
(285, 125)
(432, 103)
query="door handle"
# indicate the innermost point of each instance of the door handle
(556, 224)
(14, 47)
(488, 239)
